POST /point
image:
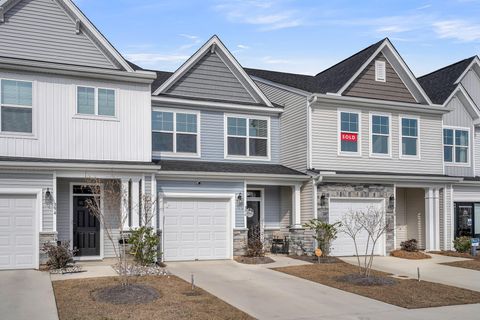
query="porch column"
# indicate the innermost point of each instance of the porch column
(135, 211)
(296, 218)
(432, 219)
(124, 205)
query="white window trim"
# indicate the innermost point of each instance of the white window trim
(96, 116)
(370, 135)
(400, 138)
(454, 163)
(359, 133)
(174, 153)
(248, 118)
(21, 135)
(384, 65)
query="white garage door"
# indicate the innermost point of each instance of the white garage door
(18, 236)
(196, 229)
(343, 245)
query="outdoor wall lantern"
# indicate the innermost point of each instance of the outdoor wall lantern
(48, 195)
(391, 202)
(323, 200)
(239, 199)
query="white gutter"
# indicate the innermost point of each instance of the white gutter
(310, 101)
(229, 175)
(387, 177)
(78, 166)
(384, 104)
(213, 104)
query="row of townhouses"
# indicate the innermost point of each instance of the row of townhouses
(223, 148)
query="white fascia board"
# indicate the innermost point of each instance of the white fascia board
(476, 61)
(214, 104)
(229, 175)
(388, 178)
(70, 70)
(77, 166)
(470, 103)
(384, 104)
(282, 86)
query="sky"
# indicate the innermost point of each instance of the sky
(303, 36)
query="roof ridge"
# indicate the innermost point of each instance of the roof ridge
(446, 67)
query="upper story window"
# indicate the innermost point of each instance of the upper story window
(175, 132)
(456, 145)
(380, 131)
(349, 132)
(96, 101)
(380, 71)
(16, 106)
(247, 137)
(409, 136)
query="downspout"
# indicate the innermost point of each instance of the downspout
(310, 100)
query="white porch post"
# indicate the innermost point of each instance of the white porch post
(436, 198)
(296, 217)
(153, 198)
(432, 219)
(135, 202)
(124, 203)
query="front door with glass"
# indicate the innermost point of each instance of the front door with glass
(467, 219)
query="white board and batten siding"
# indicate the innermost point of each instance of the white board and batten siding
(59, 133)
(42, 30)
(325, 144)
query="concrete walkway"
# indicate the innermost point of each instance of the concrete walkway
(26, 295)
(90, 269)
(430, 270)
(268, 294)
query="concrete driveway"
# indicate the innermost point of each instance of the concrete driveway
(430, 270)
(268, 294)
(26, 295)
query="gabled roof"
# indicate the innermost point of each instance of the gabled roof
(214, 44)
(84, 24)
(440, 84)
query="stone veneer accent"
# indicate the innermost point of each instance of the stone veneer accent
(45, 237)
(239, 241)
(342, 190)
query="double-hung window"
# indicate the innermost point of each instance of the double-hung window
(456, 144)
(247, 137)
(175, 132)
(349, 132)
(409, 137)
(96, 101)
(16, 114)
(380, 135)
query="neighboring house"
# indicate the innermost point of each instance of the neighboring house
(71, 108)
(457, 87)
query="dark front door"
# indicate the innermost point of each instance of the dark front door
(86, 228)
(467, 219)
(253, 223)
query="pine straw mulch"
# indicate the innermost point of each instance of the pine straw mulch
(473, 264)
(412, 255)
(253, 260)
(75, 300)
(406, 293)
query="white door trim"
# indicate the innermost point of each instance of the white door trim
(101, 256)
(39, 212)
(262, 206)
(193, 195)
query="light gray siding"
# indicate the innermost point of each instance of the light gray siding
(471, 82)
(477, 151)
(392, 89)
(214, 187)
(211, 78)
(212, 139)
(42, 30)
(293, 124)
(307, 199)
(278, 205)
(12, 180)
(460, 117)
(325, 139)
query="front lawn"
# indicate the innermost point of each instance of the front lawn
(406, 293)
(75, 301)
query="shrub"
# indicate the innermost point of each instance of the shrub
(462, 244)
(325, 233)
(409, 245)
(255, 244)
(144, 242)
(59, 255)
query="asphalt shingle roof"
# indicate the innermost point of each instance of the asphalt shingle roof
(225, 167)
(440, 84)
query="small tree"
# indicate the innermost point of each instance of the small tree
(351, 227)
(325, 233)
(59, 255)
(255, 243)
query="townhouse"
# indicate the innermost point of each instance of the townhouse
(225, 152)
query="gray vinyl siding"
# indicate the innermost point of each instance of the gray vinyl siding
(293, 124)
(466, 193)
(42, 30)
(63, 210)
(12, 180)
(286, 207)
(211, 78)
(477, 151)
(471, 83)
(460, 117)
(278, 205)
(212, 139)
(392, 89)
(307, 207)
(325, 139)
(214, 187)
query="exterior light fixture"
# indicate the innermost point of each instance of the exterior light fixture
(48, 194)
(391, 202)
(239, 199)
(323, 200)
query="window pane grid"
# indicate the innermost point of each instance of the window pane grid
(349, 123)
(247, 143)
(175, 132)
(409, 136)
(380, 134)
(456, 146)
(16, 101)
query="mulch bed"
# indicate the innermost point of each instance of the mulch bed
(253, 260)
(76, 299)
(406, 293)
(468, 264)
(314, 259)
(412, 255)
(456, 254)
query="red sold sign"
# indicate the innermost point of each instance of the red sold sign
(352, 137)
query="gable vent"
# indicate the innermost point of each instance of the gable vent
(380, 71)
(2, 15)
(78, 25)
